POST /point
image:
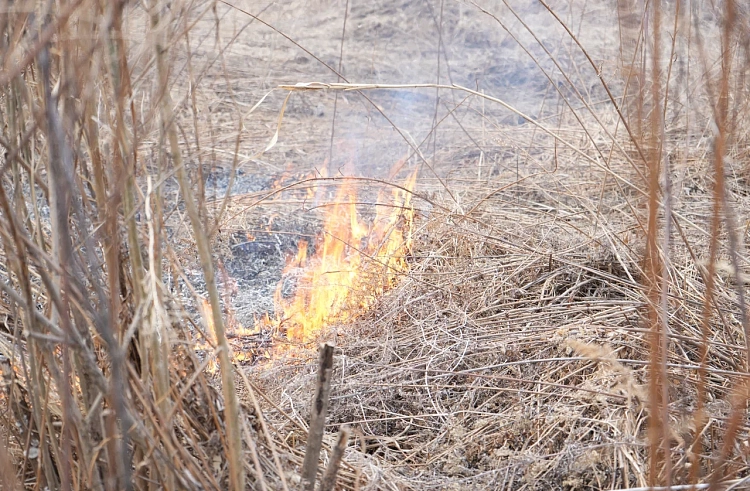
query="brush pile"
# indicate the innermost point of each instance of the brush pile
(577, 325)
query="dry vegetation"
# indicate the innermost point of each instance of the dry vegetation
(573, 315)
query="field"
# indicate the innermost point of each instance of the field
(447, 245)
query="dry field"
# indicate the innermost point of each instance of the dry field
(521, 224)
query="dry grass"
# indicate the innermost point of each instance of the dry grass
(575, 322)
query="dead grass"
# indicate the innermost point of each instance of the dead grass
(575, 321)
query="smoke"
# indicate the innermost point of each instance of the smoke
(484, 47)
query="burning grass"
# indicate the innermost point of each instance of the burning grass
(560, 307)
(353, 263)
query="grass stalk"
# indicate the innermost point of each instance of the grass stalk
(223, 351)
(318, 417)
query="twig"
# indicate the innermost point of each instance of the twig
(329, 477)
(318, 417)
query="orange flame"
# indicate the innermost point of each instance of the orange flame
(353, 262)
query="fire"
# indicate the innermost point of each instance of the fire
(353, 262)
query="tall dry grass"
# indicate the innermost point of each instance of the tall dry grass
(656, 56)
(103, 388)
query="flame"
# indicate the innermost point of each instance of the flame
(353, 262)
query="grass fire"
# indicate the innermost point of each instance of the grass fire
(386, 245)
(353, 263)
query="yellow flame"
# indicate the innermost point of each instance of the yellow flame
(353, 262)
